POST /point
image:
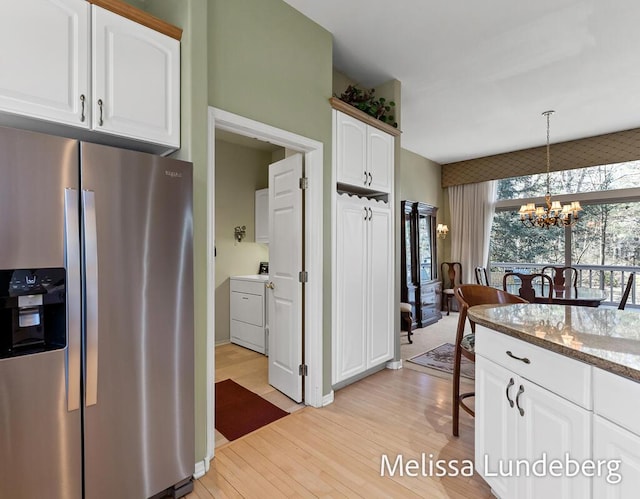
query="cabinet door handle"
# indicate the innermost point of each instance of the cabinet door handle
(82, 99)
(365, 178)
(370, 213)
(365, 213)
(100, 121)
(520, 392)
(523, 359)
(511, 383)
(270, 285)
(370, 178)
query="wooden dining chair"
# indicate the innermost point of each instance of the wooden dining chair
(481, 276)
(469, 295)
(627, 291)
(558, 275)
(450, 279)
(527, 290)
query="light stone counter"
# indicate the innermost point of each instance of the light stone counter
(602, 337)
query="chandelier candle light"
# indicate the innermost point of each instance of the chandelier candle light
(553, 213)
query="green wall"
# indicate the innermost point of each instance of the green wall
(191, 16)
(240, 172)
(269, 63)
(420, 181)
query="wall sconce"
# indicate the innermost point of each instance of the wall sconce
(239, 232)
(442, 230)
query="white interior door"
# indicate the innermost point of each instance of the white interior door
(284, 290)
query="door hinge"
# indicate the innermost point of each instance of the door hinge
(304, 183)
(303, 276)
(303, 370)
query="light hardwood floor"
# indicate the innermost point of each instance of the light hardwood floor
(336, 451)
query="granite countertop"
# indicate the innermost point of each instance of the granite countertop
(605, 338)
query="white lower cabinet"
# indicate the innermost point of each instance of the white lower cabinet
(521, 428)
(363, 336)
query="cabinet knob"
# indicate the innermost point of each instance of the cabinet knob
(520, 392)
(270, 285)
(100, 121)
(82, 99)
(522, 359)
(511, 383)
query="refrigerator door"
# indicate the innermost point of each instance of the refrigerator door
(139, 414)
(40, 425)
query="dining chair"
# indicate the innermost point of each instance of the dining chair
(627, 291)
(450, 279)
(481, 276)
(558, 275)
(469, 295)
(407, 319)
(527, 290)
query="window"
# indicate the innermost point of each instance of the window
(605, 243)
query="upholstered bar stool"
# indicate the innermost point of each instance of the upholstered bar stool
(407, 318)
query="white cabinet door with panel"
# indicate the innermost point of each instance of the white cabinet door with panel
(44, 66)
(136, 80)
(620, 448)
(352, 280)
(364, 155)
(363, 336)
(380, 160)
(516, 419)
(351, 149)
(379, 290)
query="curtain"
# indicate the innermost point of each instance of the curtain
(472, 207)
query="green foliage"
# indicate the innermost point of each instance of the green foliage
(365, 101)
(606, 234)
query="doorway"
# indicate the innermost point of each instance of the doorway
(312, 304)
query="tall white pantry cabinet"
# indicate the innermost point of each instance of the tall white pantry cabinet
(363, 275)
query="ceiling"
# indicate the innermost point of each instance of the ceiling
(476, 75)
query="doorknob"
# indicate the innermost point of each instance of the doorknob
(270, 285)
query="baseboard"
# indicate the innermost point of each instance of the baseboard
(222, 342)
(327, 399)
(201, 468)
(394, 364)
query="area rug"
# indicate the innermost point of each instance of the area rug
(441, 358)
(240, 411)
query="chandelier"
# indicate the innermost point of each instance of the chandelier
(553, 213)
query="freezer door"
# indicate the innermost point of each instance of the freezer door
(139, 414)
(40, 433)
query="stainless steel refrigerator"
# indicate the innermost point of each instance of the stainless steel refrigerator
(96, 321)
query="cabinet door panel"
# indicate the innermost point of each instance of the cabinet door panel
(553, 426)
(612, 442)
(495, 424)
(351, 282)
(351, 150)
(380, 153)
(137, 77)
(44, 67)
(380, 287)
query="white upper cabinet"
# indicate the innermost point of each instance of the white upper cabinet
(44, 62)
(136, 80)
(364, 155)
(70, 63)
(262, 216)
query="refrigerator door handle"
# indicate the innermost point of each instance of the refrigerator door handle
(91, 297)
(72, 263)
